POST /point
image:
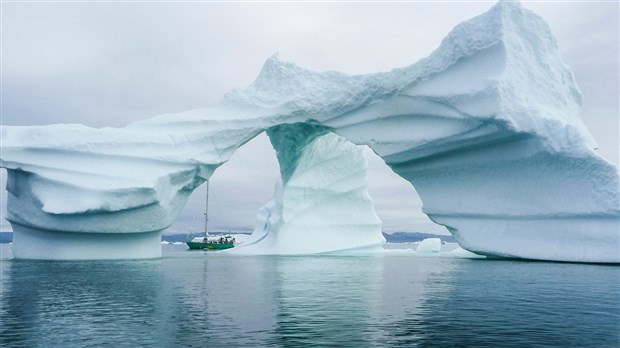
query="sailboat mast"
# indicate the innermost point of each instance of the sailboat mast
(207, 210)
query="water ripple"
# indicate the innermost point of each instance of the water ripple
(207, 299)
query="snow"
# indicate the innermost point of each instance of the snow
(486, 128)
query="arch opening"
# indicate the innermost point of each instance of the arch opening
(321, 195)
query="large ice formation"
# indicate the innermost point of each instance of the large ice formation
(322, 205)
(486, 128)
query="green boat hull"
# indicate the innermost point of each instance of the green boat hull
(209, 246)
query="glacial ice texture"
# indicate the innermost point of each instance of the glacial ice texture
(486, 128)
(323, 203)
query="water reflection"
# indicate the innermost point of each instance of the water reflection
(222, 300)
(407, 287)
(324, 300)
(196, 299)
(69, 303)
(517, 304)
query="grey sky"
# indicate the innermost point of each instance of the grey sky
(108, 64)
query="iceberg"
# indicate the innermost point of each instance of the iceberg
(486, 128)
(323, 204)
(429, 245)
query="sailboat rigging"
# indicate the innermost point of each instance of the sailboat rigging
(200, 243)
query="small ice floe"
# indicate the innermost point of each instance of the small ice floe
(462, 253)
(429, 245)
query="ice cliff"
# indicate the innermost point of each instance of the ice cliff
(486, 128)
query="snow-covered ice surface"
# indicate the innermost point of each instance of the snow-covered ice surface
(486, 128)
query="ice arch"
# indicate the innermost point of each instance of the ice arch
(486, 128)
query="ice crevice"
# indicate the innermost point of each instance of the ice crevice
(487, 128)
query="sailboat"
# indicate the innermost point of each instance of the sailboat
(214, 243)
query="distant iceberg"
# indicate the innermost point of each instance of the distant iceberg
(486, 128)
(429, 245)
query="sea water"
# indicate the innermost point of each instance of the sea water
(200, 299)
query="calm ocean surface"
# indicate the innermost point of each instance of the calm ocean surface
(198, 299)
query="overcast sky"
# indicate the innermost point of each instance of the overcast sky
(108, 64)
